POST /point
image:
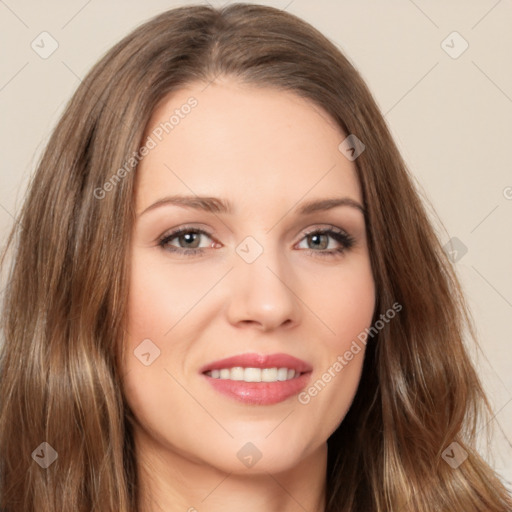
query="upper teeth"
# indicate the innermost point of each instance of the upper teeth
(253, 374)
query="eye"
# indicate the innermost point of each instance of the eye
(191, 238)
(320, 238)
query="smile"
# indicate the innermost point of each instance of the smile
(258, 379)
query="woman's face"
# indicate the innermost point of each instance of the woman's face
(265, 286)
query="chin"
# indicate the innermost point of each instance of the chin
(257, 455)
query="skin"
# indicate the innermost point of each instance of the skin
(266, 151)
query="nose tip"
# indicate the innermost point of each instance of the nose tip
(260, 297)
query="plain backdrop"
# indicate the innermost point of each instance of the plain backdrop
(440, 71)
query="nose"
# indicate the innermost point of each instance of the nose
(262, 293)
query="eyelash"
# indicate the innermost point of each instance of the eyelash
(340, 236)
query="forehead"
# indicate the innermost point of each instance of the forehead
(243, 142)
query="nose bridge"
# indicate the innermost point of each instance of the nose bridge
(262, 292)
(261, 261)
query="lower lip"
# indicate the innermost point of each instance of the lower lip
(260, 393)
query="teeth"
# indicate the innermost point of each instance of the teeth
(237, 373)
(282, 374)
(254, 374)
(269, 374)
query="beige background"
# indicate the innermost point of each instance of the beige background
(451, 118)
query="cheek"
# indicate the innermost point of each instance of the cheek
(160, 295)
(344, 303)
(151, 385)
(346, 308)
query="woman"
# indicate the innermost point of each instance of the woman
(142, 374)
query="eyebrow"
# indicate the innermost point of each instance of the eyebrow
(217, 205)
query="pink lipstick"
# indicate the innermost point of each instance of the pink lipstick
(258, 379)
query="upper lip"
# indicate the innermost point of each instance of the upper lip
(259, 361)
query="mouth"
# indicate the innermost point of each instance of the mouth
(258, 379)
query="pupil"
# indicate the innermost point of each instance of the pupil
(317, 237)
(187, 237)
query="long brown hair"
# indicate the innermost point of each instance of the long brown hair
(64, 306)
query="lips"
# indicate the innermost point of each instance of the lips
(259, 393)
(260, 361)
